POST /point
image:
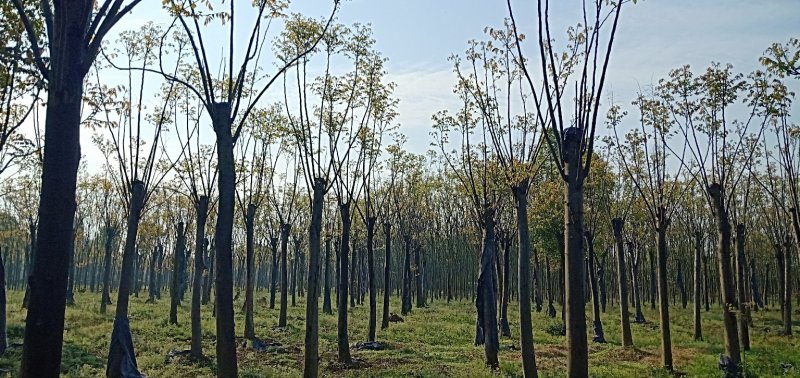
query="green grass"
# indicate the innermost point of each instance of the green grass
(433, 341)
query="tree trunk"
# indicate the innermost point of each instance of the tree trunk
(523, 280)
(507, 287)
(754, 289)
(373, 305)
(273, 246)
(105, 298)
(574, 271)
(787, 288)
(120, 354)
(637, 298)
(599, 336)
(311, 365)
(223, 238)
(174, 291)
(662, 222)
(727, 288)
(387, 234)
(285, 229)
(249, 222)
(71, 275)
(326, 303)
(212, 252)
(406, 299)
(485, 302)
(199, 269)
(418, 275)
(617, 226)
(698, 284)
(741, 288)
(344, 245)
(3, 320)
(44, 326)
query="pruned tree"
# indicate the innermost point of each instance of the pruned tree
(570, 140)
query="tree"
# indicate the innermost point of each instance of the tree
(492, 78)
(229, 101)
(571, 147)
(73, 33)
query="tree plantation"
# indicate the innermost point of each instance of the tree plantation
(238, 188)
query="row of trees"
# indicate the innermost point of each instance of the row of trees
(688, 170)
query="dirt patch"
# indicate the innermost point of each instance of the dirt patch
(627, 354)
(355, 364)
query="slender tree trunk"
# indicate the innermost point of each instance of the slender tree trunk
(344, 246)
(199, 267)
(373, 305)
(174, 291)
(617, 226)
(741, 288)
(285, 229)
(105, 298)
(223, 238)
(418, 277)
(249, 221)
(637, 298)
(387, 234)
(574, 271)
(787, 288)
(698, 284)
(3, 320)
(758, 301)
(506, 294)
(212, 252)
(406, 300)
(662, 222)
(727, 288)
(523, 280)
(326, 304)
(119, 354)
(599, 336)
(273, 246)
(311, 365)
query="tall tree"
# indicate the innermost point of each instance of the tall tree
(571, 139)
(73, 33)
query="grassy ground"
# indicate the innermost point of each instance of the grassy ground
(433, 341)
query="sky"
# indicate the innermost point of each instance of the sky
(654, 36)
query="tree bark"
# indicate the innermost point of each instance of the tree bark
(105, 298)
(574, 271)
(520, 193)
(373, 305)
(223, 238)
(44, 326)
(311, 365)
(3, 320)
(741, 288)
(727, 288)
(485, 302)
(249, 222)
(344, 250)
(698, 284)
(599, 336)
(174, 292)
(199, 269)
(662, 222)
(387, 234)
(285, 229)
(617, 226)
(406, 296)
(273, 247)
(326, 303)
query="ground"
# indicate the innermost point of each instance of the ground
(431, 342)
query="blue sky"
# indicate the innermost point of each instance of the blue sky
(654, 36)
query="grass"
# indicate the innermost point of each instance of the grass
(432, 342)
